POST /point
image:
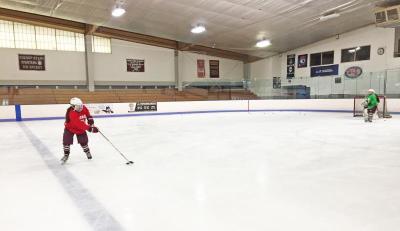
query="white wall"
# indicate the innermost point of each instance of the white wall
(262, 73)
(109, 69)
(373, 69)
(369, 35)
(159, 63)
(60, 66)
(229, 70)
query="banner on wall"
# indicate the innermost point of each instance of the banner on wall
(31, 62)
(276, 82)
(135, 65)
(302, 61)
(201, 69)
(142, 107)
(325, 70)
(214, 68)
(291, 59)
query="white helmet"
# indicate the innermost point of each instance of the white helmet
(371, 90)
(76, 103)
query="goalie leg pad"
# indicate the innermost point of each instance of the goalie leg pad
(371, 113)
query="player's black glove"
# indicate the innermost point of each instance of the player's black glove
(90, 120)
(93, 129)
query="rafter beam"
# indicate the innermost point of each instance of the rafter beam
(90, 29)
(40, 20)
(136, 37)
(58, 23)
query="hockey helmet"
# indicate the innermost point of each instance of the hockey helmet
(76, 103)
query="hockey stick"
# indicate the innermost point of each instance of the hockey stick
(129, 162)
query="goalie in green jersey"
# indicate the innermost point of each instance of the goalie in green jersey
(371, 105)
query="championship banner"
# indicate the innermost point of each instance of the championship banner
(31, 62)
(201, 70)
(291, 59)
(325, 70)
(302, 61)
(135, 65)
(214, 68)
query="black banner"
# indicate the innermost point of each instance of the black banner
(276, 82)
(31, 62)
(214, 68)
(302, 61)
(291, 59)
(146, 107)
(135, 65)
(141, 107)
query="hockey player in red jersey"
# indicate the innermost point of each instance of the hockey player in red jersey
(75, 124)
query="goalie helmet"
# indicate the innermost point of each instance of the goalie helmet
(76, 103)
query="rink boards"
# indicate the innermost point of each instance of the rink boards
(57, 111)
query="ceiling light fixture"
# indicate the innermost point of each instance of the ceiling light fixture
(263, 43)
(118, 11)
(198, 29)
(323, 18)
(354, 50)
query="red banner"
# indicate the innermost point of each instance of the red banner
(201, 69)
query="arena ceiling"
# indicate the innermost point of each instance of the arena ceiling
(234, 25)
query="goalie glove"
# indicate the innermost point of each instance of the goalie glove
(365, 104)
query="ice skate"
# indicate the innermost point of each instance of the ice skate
(64, 159)
(89, 156)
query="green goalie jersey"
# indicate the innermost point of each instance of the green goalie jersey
(372, 100)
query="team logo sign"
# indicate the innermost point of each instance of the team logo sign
(353, 72)
(302, 61)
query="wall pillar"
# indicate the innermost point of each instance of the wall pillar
(246, 75)
(89, 58)
(178, 69)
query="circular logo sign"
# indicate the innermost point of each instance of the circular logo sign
(353, 72)
(381, 51)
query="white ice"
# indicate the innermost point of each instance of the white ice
(228, 171)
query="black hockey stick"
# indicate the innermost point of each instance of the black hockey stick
(129, 162)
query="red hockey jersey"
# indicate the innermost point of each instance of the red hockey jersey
(75, 122)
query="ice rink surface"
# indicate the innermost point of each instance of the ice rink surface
(286, 171)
